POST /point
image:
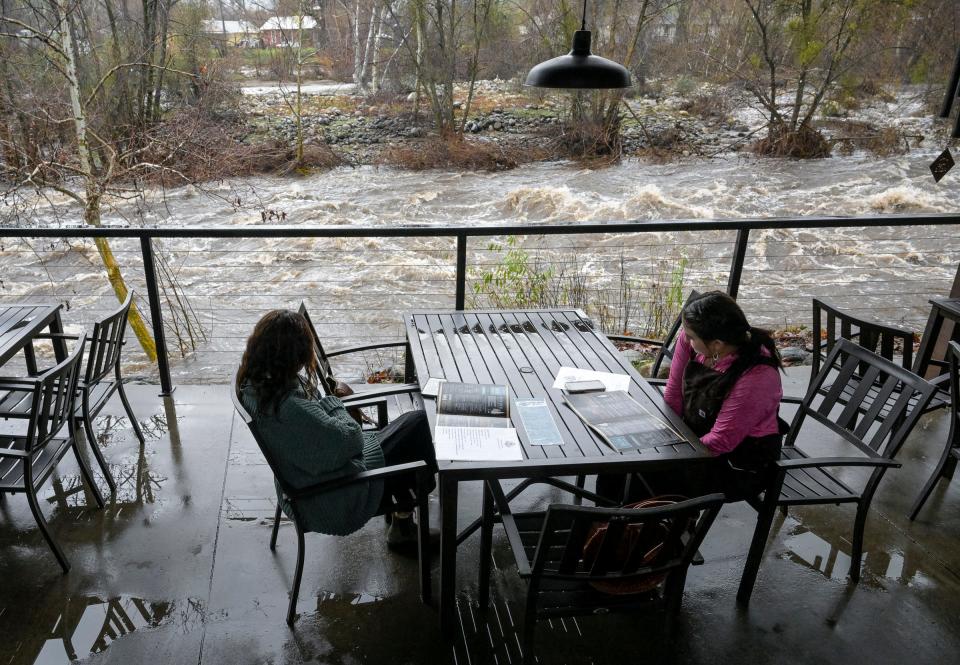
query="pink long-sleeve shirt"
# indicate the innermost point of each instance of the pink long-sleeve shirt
(749, 410)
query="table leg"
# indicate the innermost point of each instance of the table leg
(30, 358)
(448, 553)
(927, 343)
(59, 344)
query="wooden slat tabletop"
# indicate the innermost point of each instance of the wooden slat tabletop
(19, 324)
(524, 349)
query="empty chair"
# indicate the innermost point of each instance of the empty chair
(27, 460)
(872, 404)
(830, 325)
(290, 497)
(580, 560)
(101, 378)
(951, 451)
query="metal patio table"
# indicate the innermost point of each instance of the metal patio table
(19, 324)
(524, 349)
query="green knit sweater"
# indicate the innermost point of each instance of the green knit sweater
(314, 440)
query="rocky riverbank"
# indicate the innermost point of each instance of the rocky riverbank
(680, 120)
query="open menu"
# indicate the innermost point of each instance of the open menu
(621, 421)
(473, 423)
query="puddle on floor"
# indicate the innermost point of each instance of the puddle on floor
(90, 625)
(809, 549)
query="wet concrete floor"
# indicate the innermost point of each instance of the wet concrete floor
(176, 569)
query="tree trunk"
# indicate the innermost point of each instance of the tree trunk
(91, 212)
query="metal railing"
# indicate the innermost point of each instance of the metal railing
(728, 243)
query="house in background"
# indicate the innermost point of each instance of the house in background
(231, 33)
(285, 30)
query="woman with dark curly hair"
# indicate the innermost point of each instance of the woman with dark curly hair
(314, 438)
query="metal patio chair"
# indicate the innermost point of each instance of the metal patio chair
(406, 395)
(951, 452)
(100, 380)
(291, 495)
(573, 568)
(874, 423)
(28, 460)
(830, 325)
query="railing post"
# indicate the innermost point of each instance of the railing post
(736, 265)
(461, 271)
(150, 273)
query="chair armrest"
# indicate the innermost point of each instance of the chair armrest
(379, 402)
(7, 452)
(790, 399)
(638, 340)
(49, 335)
(375, 474)
(365, 347)
(657, 383)
(810, 462)
(17, 383)
(381, 390)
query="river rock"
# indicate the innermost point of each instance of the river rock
(795, 355)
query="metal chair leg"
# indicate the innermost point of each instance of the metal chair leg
(931, 483)
(276, 528)
(759, 542)
(856, 553)
(44, 529)
(126, 407)
(297, 577)
(423, 538)
(87, 474)
(92, 441)
(486, 547)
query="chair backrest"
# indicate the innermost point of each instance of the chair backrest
(106, 342)
(670, 341)
(248, 420)
(323, 363)
(625, 553)
(53, 399)
(831, 325)
(872, 402)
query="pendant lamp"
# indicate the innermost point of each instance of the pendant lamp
(579, 69)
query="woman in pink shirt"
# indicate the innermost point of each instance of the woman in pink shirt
(725, 384)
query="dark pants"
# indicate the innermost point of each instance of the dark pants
(716, 475)
(406, 439)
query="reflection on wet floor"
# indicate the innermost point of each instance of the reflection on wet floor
(807, 548)
(137, 484)
(89, 625)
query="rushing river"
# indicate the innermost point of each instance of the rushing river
(357, 288)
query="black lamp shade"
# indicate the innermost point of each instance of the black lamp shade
(579, 69)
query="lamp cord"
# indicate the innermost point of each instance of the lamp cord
(583, 22)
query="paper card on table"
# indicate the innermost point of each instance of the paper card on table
(611, 381)
(538, 423)
(477, 444)
(432, 387)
